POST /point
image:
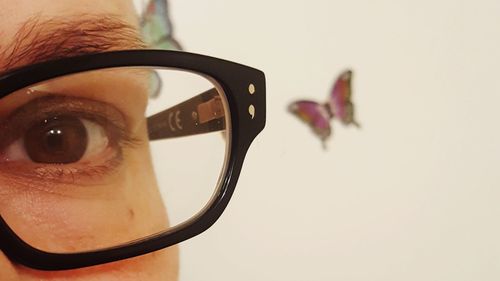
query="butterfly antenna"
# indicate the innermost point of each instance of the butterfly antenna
(324, 145)
(355, 123)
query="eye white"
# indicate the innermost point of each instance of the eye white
(98, 140)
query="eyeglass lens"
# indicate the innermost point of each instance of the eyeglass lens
(102, 158)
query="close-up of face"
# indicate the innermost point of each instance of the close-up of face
(114, 147)
(132, 141)
(66, 195)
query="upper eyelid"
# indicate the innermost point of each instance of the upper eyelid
(122, 88)
(47, 103)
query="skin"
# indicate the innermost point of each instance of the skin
(76, 229)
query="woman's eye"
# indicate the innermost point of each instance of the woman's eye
(64, 139)
(59, 140)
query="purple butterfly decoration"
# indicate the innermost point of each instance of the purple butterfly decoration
(338, 106)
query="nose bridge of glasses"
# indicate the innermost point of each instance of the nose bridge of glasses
(201, 114)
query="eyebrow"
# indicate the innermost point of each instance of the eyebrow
(43, 39)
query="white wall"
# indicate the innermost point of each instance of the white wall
(413, 195)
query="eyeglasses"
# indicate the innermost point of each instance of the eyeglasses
(114, 155)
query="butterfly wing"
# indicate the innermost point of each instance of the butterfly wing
(156, 26)
(340, 99)
(156, 29)
(315, 115)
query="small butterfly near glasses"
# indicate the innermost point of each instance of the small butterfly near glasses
(338, 106)
(157, 32)
(156, 26)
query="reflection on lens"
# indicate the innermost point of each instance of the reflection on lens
(89, 161)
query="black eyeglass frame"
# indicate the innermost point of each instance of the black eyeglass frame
(235, 80)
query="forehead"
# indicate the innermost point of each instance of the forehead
(13, 13)
(34, 31)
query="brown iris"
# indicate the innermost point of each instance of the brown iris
(57, 140)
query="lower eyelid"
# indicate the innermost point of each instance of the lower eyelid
(60, 183)
(80, 174)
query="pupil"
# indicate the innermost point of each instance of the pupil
(54, 141)
(58, 140)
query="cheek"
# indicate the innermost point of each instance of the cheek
(97, 217)
(66, 225)
(69, 219)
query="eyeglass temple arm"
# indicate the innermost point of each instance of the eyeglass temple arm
(201, 114)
